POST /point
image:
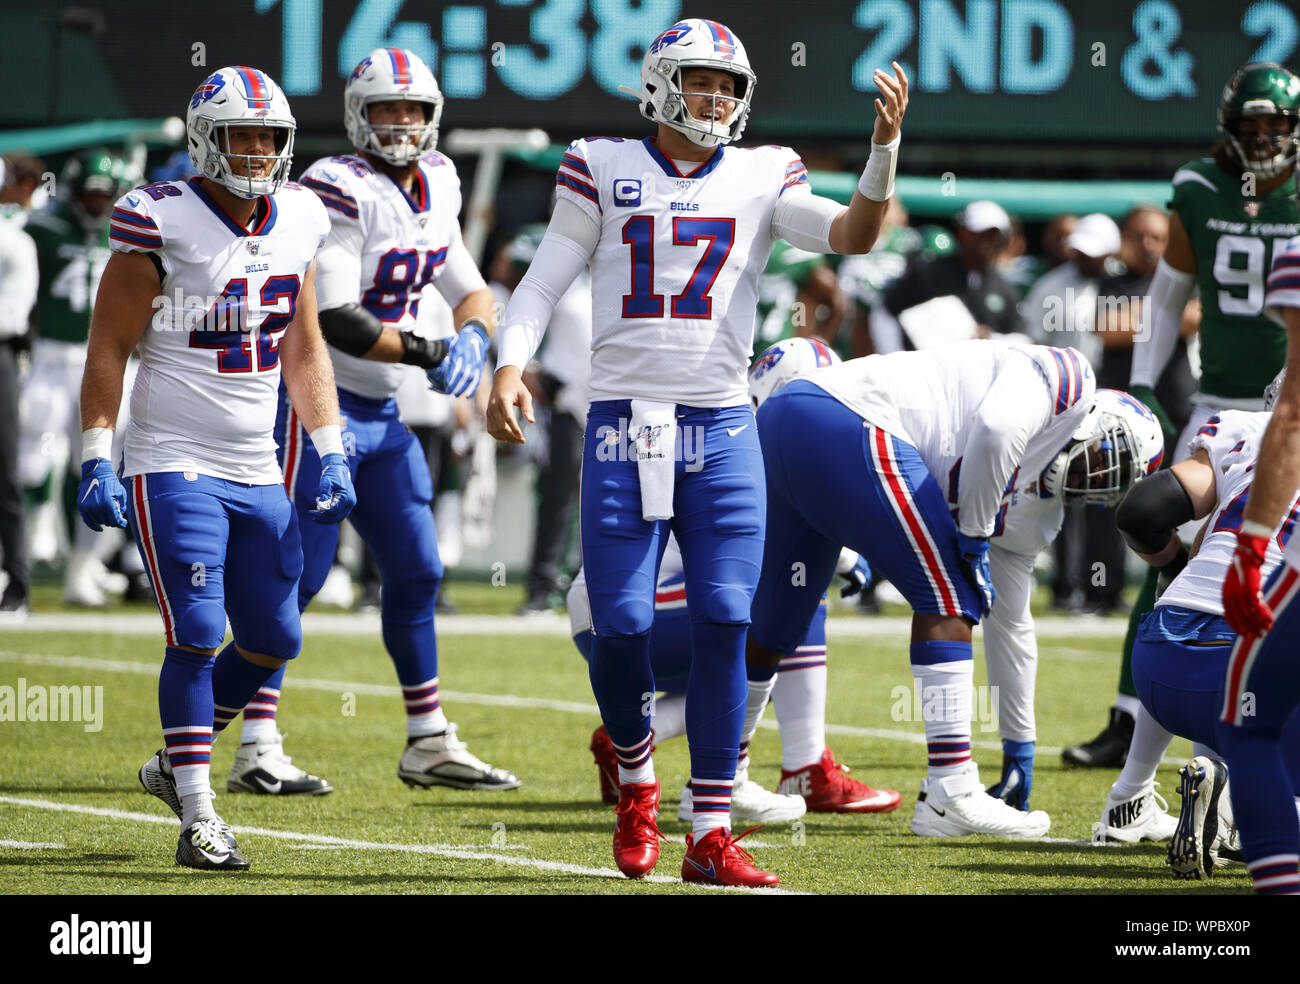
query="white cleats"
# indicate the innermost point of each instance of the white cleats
(1205, 837)
(957, 805)
(751, 802)
(444, 760)
(262, 767)
(337, 588)
(1144, 817)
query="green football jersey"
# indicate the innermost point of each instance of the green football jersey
(788, 268)
(72, 261)
(1235, 238)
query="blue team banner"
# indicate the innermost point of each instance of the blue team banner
(1113, 71)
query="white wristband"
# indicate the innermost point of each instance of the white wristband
(328, 439)
(877, 181)
(97, 442)
(1252, 528)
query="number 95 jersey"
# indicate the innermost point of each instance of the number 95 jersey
(204, 399)
(675, 273)
(385, 246)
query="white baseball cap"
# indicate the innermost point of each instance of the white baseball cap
(983, 215)
(1095, 235)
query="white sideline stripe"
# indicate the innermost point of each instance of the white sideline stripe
(545, 624)
(323, 840)
(493, 700)
(34, 845)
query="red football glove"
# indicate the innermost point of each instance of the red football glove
(1242, 606)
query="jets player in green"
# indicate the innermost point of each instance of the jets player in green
(798, 295)
(1229, 214)
(72, 247)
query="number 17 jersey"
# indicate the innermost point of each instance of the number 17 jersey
(675, 272)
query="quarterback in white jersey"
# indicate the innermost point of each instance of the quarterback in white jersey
(213, 280)
(676, 228)
(393, 206)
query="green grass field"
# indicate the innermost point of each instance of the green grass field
(523, 702)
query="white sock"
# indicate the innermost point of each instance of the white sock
(641, 775)
(946, 691)
(432, 722)
(196, 807)
(1149, 744)
(258, 731)
(1129, 705)
(668, 717)
(799, 697)
(642, 769)
(759, 693)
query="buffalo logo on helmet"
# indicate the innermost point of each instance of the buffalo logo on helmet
(213, 84)
(670, 36)
(357, 72)
(767, 362)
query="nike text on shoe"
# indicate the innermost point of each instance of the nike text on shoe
(1109, 750)
(444, 760)
(636, 834)
(826, 787)
(750, 801)
(208, 846)
(1192, 849)
(1143, 817)
(716, 859)
(262, 767)
(606, 765)
(954, 806)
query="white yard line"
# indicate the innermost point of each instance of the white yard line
(455, 852)
(545, 624)
(494, 700)
(33, 845)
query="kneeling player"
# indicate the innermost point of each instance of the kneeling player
(861, 454)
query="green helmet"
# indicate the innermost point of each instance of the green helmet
(1255, 90)
(94, 172)
(521, 250)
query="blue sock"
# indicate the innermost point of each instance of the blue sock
(1017, 773)
(234, 682)
(185, 709)
(621, 679)
(716, 696)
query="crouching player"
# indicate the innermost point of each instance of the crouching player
(1183, 646)
(880, 454)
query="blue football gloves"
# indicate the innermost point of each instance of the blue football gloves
(458, 374)
(335, 496)
(856, 579)
(975, 551)
(101, 497)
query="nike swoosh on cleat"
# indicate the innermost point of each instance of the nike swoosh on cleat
(937, 810)
(700, 868)
(90, 488)
(268, 787)
(733, 431)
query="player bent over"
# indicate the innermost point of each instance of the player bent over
(393, 209)
(203, 493)
(1184, 645)
(880, 454)
(676, 228)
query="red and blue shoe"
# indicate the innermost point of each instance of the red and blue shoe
(636, 835)
(718, 860)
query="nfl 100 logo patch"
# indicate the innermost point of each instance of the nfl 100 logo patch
(254, 246)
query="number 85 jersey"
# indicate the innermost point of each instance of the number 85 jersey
(204, 399)
(675, 272)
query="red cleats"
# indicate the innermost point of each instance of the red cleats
(826, 788)
(636, 836)
(606, 765)
(718, 860)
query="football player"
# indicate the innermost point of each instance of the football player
(1229, 216)
(1183, 645)
(72, 244)
(676, 228)
(204, 492)
(394, 230)
(1261, 685)
(1116, 442)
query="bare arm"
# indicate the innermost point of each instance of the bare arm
(1278, 474)
(305, 362)
(123, 309)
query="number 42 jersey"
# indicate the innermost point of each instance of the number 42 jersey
(204, 399)
(675, 271)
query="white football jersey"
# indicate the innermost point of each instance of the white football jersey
(204, 399)
(932, 398)
(675, 271)
(385, 246)
(1231, 438)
